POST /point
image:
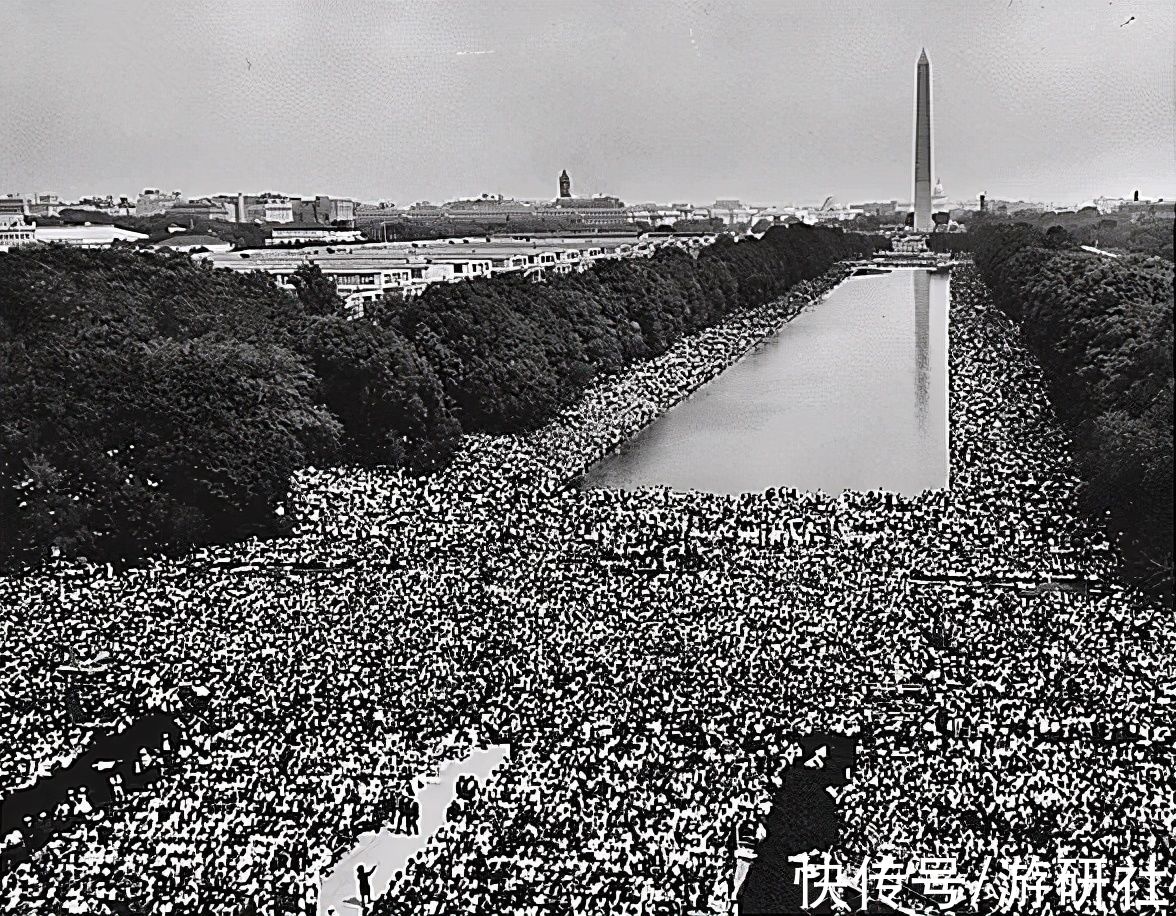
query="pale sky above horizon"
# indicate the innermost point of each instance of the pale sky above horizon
(667, 100)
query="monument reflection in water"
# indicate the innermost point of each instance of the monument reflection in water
(922, 297)
(850, 395)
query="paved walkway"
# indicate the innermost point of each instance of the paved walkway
(389, 852)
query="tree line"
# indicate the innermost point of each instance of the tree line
(150, 402)
(1102, 329)
(1087, 226)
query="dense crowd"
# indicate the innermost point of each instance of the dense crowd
(651, 658)
(1102, 330)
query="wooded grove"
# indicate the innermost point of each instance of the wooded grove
(151, 403)
(1102, 330)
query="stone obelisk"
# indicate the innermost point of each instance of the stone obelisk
(923, 145)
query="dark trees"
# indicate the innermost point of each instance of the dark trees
(149, 404)
(317, 294)
(1102, 330)
(114, 447)
(152, 403)
(391, 406)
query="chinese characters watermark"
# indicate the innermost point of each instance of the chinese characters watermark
(1018, 885)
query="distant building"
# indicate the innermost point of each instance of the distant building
(602, 201)
(45, 205)
(1109, 204)
(594, 211)
(831, 211)
(882, 209)
(565, 184)
(15, 230)
(299, 235)
(342, 210)
(107, 205)
(87, 236)
(17, 227)
(487, 209)
(13, 210)
(270, 208)
(306, 212)
(572, 213)
(1015, 206)
(324, 210)
(833, 215)
(152, 202)
(366, 273)
(730, 211)
(1146, 210)
(380, 210)
(659, 214)
(204, 209)
(194, 243)
(16, 235)
(424, 210)
(372, 216)
(276, 209)
(497, 210)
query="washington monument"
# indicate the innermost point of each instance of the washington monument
(923, 144)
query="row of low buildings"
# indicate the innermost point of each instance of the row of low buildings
(50, 205)
(592, 213)
(280, 236)
(598, 213)
(321, 210)
(1135, 208)
(238, 208)
(13, 235)
(367, 273)
(18, 227)
(595, 213)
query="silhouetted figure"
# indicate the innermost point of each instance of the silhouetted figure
(803, 817)
(365, 887)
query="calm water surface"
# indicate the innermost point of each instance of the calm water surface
(850, 395)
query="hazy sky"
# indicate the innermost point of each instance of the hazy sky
(771, 102)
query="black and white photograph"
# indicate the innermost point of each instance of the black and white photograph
(587, 457)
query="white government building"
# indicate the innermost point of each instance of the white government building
(16, 230)
(365, 273)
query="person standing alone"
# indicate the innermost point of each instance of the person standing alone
(365, 887)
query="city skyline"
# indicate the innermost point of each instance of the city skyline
(666, 102)
(50, 197)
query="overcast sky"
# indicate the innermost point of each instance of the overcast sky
(771, 102)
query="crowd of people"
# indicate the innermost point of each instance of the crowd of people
(651, 658)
